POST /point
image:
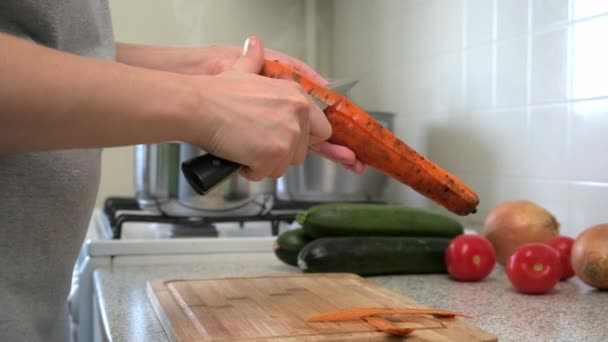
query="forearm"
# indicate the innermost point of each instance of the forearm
(54, 100)
(184, 60)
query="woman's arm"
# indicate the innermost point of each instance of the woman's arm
(55, 100)
(184, 60)
(214, 59)
(198, 60)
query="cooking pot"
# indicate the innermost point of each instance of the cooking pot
(160, 186)
(322, 180)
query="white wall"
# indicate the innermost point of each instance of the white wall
(280, 24)
(509, 95)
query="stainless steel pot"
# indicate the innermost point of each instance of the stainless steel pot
(321, 180)
(160, 186)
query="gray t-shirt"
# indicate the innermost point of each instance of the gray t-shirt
(46, 199)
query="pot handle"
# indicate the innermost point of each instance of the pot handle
(205, 172)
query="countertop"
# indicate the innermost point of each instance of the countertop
(571, 312)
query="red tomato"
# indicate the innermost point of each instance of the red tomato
(470, 257)
(534, 268)
(563, 245)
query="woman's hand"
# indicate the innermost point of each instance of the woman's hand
(262, 123)
(216, 59)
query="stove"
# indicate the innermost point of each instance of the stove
(119, 212)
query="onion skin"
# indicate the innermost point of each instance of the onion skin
(514, 223)
(589, 257)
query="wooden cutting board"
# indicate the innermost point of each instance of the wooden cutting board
(275, 308)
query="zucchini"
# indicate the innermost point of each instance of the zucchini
(376, 220)
(288, 244)
(375, 255)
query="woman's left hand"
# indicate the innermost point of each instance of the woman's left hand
(219, 58)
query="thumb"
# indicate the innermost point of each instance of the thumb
(252, 58)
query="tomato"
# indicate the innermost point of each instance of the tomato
(563, 245)
(534, 268)
(470, 257)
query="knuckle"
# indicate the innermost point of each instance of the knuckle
(293, 129)
(277, 150)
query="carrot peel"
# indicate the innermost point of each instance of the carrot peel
(355, 314)
(386, 326)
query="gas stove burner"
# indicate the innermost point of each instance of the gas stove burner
(120, 210)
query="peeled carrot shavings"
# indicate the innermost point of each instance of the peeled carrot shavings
(355, 314)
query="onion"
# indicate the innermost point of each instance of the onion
(590, 256)
(514, 223)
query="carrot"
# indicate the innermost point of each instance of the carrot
(383, 325)
(380, 148)
(355, 314)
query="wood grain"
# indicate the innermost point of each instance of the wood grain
(275, 308)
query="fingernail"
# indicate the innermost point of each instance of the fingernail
(249, 43)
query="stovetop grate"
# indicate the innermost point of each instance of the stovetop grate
(114, 209)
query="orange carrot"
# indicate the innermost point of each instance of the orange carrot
(355, 314)
(383, 325)
(380, 148)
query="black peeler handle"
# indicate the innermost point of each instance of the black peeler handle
(205, 172)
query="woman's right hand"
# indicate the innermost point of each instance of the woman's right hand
(261, 123)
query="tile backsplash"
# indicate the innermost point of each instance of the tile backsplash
(509, 95)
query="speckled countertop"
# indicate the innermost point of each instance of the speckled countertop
(572, 312)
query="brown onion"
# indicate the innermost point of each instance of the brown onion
(514, 223)
(590, 256)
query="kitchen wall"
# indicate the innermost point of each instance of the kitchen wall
(509, 95)
(282, 25)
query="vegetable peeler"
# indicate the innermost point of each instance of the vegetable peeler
(205, 172)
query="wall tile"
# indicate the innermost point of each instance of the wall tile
(449, 24)
(589, 8)
(511, 72)
(547, 13)
(500, 139)
(589, 142)
(512, 18)
(551, 195)
(549, 66)
(480, 18)
(546, 151)
(420, 30)
(590, 56)
(479, 77)
(486, 108)
(420, 88)
(452, 145)
(348, 35)
(450, 81)
(587, 207)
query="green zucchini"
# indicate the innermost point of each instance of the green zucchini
(374, 255)
(288, 244)
(377, 220)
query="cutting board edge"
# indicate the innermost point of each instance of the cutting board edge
(163, 282)
(160, 314)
